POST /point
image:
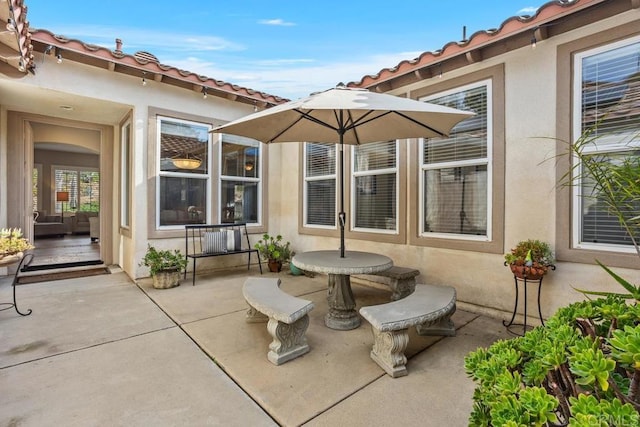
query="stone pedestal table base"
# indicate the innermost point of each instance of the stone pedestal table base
(342, 313)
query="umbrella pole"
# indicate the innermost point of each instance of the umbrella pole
(342, 216)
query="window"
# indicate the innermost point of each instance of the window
(320, 185)
(125, 177)
(183, 179)
(455, 178)
(606, 93)
(240, 183)
(375, 180)
(83, 186)
(36, 181)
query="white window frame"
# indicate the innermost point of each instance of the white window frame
(608, 146)
(77, 170)
(374, 172)
(160, 173)
(258, 179)
(305, 194)
(38, 168)
(125, 176)
(488, 83)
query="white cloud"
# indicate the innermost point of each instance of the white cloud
(214, 57)
(277, 22)
(531, 10)
(293, 78)
(151, 41)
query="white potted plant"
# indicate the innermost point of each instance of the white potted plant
(12, 245)
(165, 266)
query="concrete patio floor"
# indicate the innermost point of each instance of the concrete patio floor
(102, 350)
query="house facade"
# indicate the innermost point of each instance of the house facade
(449, 207)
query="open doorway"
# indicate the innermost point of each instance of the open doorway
(66, 201)
(65, 195)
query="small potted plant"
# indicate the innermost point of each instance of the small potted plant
(530, 259)
(12, 245)
(275, 251)
(165, 266)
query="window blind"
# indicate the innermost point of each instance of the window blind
(610, 95)
(320, 184)
(375, 183)
(468, 139)
(611, 90)
(455, 177)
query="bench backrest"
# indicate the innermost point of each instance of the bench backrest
(216, 238)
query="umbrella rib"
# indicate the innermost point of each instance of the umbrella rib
(404, 116)
(308, 116)
(419, 123)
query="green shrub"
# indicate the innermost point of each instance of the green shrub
(162, 260)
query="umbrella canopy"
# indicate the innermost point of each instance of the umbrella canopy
(346, 116)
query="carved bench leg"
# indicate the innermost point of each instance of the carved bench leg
(402, 288)
(254, 316)
(439, 327)
(388, 351)
(289, 341)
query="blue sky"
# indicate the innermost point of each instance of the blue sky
(289, 49)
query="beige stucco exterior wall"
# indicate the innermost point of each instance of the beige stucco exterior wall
(120, 95)
(481, 280)
(530, 186)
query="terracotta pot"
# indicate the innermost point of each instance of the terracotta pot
(166, 279)
(531, 273)
(275, 266)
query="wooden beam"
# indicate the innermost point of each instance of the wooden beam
(232, 96)
(383, 87)
(473, 56)
(423, 73)
(157, 77)
(635, 4)
(541, 33)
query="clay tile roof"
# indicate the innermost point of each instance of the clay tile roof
(145, 64)
(518, 30)
(15, 45)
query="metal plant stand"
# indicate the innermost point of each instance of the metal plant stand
(24, 262)
(525, 281)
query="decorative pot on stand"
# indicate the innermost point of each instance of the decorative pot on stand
(531, 273)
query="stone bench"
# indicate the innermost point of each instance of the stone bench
(287, 317)
(429, 308)
(401, 280)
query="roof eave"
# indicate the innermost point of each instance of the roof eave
(553, 18)
(119, 62)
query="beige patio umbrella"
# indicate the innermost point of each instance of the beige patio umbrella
(346, 116)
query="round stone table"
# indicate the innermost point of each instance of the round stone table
(342, 314)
